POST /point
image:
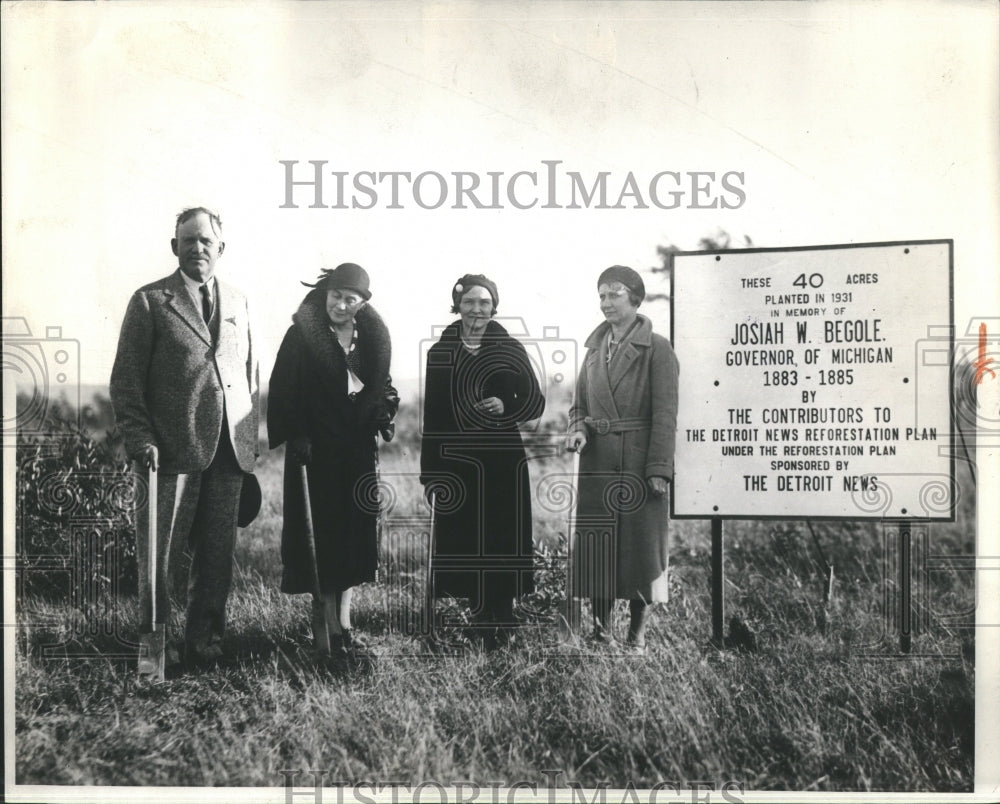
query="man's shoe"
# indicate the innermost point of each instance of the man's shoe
(207, 656)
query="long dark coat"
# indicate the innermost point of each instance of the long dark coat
(619, 547)
(308, 397)
(477, 461)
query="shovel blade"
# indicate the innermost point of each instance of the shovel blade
(152, 656)
(569, 621)
(321, 634)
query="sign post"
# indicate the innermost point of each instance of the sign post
(905, 594)
(718, 583)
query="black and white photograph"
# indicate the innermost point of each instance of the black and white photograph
(498, 402)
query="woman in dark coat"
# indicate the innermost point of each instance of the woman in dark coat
(479, 385)
(330, 394)
(623, 423)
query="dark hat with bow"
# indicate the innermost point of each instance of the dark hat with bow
(346, 276)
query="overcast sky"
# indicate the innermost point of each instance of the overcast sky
(848, 123)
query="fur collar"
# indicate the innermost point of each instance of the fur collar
(374, 344)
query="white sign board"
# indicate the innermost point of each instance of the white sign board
(806, 390)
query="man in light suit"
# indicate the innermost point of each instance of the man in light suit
(185, 382)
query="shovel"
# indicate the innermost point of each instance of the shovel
(321, 633)
(152, 646)
(569, 621)
(429, 588)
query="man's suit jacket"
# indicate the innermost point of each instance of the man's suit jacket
(169, 383)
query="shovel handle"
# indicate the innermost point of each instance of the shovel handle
(310, 531)
(153, 546)
(429, 592)
(152, 651)
(570, 624)
(320, 624)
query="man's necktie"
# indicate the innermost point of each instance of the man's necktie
(206, 303)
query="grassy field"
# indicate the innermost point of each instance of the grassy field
(825, 703)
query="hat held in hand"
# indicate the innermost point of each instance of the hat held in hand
(250, 500)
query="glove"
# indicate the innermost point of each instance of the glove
(658, 485)
(301, 449)
(386, 410)
(383, 423)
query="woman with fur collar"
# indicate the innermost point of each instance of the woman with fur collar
(330, 394)
(479, 385)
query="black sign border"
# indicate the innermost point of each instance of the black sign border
(951, 374)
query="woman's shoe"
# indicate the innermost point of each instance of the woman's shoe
(353, 642)
(357, 650)
(604, 639)
(486, 637)
(635, 648)
(340, 659)
(505, 636)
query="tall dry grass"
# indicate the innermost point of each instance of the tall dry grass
(825, 703)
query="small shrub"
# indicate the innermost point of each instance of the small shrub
(75, 528)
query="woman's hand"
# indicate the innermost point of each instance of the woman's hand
(657, 485)
(383, 422)
(575, 442)
(491, 405)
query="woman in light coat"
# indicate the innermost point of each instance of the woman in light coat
(622, 423)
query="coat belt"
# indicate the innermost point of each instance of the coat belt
(605, 426)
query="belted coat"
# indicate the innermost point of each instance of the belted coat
(628, 411)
